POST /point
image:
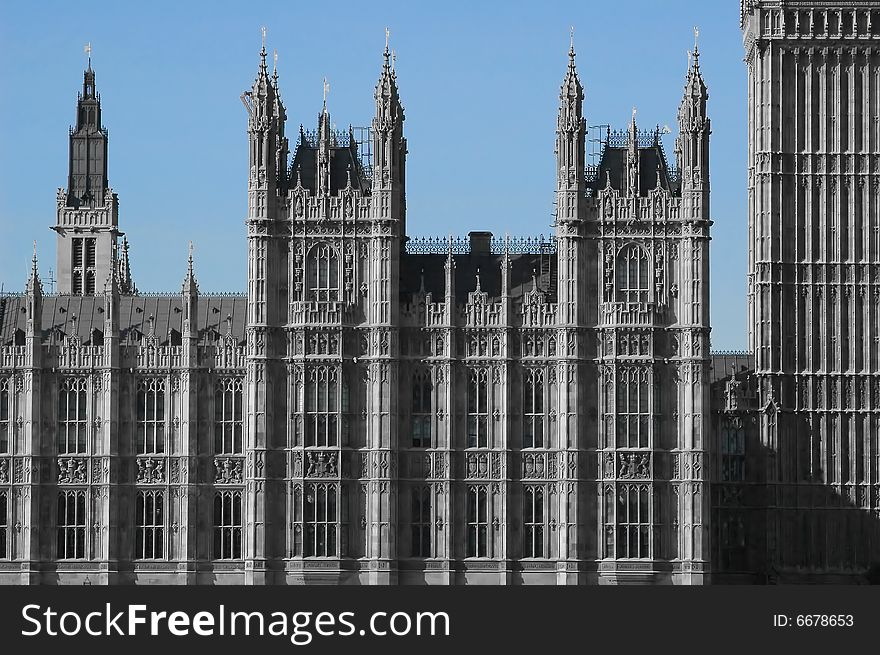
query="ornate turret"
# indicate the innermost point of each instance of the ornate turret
(268, 146)
(570, 131)
(692, 145)
(190, 291)
(87, 216)
(87, 176)
(632, 158)
(389, 146)
(34, 292)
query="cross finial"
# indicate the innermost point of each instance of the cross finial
(263, 32)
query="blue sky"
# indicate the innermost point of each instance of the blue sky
(479, 82)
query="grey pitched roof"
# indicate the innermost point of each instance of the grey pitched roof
(432, 266)
(722, 363)
(134, 314)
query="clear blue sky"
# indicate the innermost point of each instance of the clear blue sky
(479, 82)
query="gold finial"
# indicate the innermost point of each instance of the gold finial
(263, 31)
(387, 34)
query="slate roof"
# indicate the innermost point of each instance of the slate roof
(721, 364)
(613, 165)
(134, 313)
(432, 266)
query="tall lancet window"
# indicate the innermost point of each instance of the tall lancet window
(150, 427)
(421, 409)
(533, 408)
(478, 409)
(632, 274)
(72, 421)
(322, 269)
(634, 408)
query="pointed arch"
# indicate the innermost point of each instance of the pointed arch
(632, 274)
(322, 273)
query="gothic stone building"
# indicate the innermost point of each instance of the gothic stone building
(376, 409)
(797, 497)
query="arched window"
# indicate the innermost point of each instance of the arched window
(228, 416)
(478, 520)
(421, 409)
(632, 274)
(533, 408)
(323, 273)
(150, 428)
(633, 408)
(533, 520)
(478, 409)
(326, 399)
(72, 422)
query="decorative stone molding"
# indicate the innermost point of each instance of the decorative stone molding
(72, 470)
(151, 470)
(322, 464)
(228, 470)
(633, 466)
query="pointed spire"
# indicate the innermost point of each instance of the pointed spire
(695, 87)
(571, 84)
(34, 286)
(632, 157)
(190, 286)
(88, 92)
(387, 99)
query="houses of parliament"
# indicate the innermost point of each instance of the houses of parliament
(380, 409)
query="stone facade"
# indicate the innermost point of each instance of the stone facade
(376, 409)
(798, 492)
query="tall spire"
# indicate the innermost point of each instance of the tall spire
(87, 175)
(266, 117)
(570, 135)
(387, 98)
(695, 87)
(124, 263)
(632, 157)
(190, 286)
(572, 93)
(34, 286)
(388, 142)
